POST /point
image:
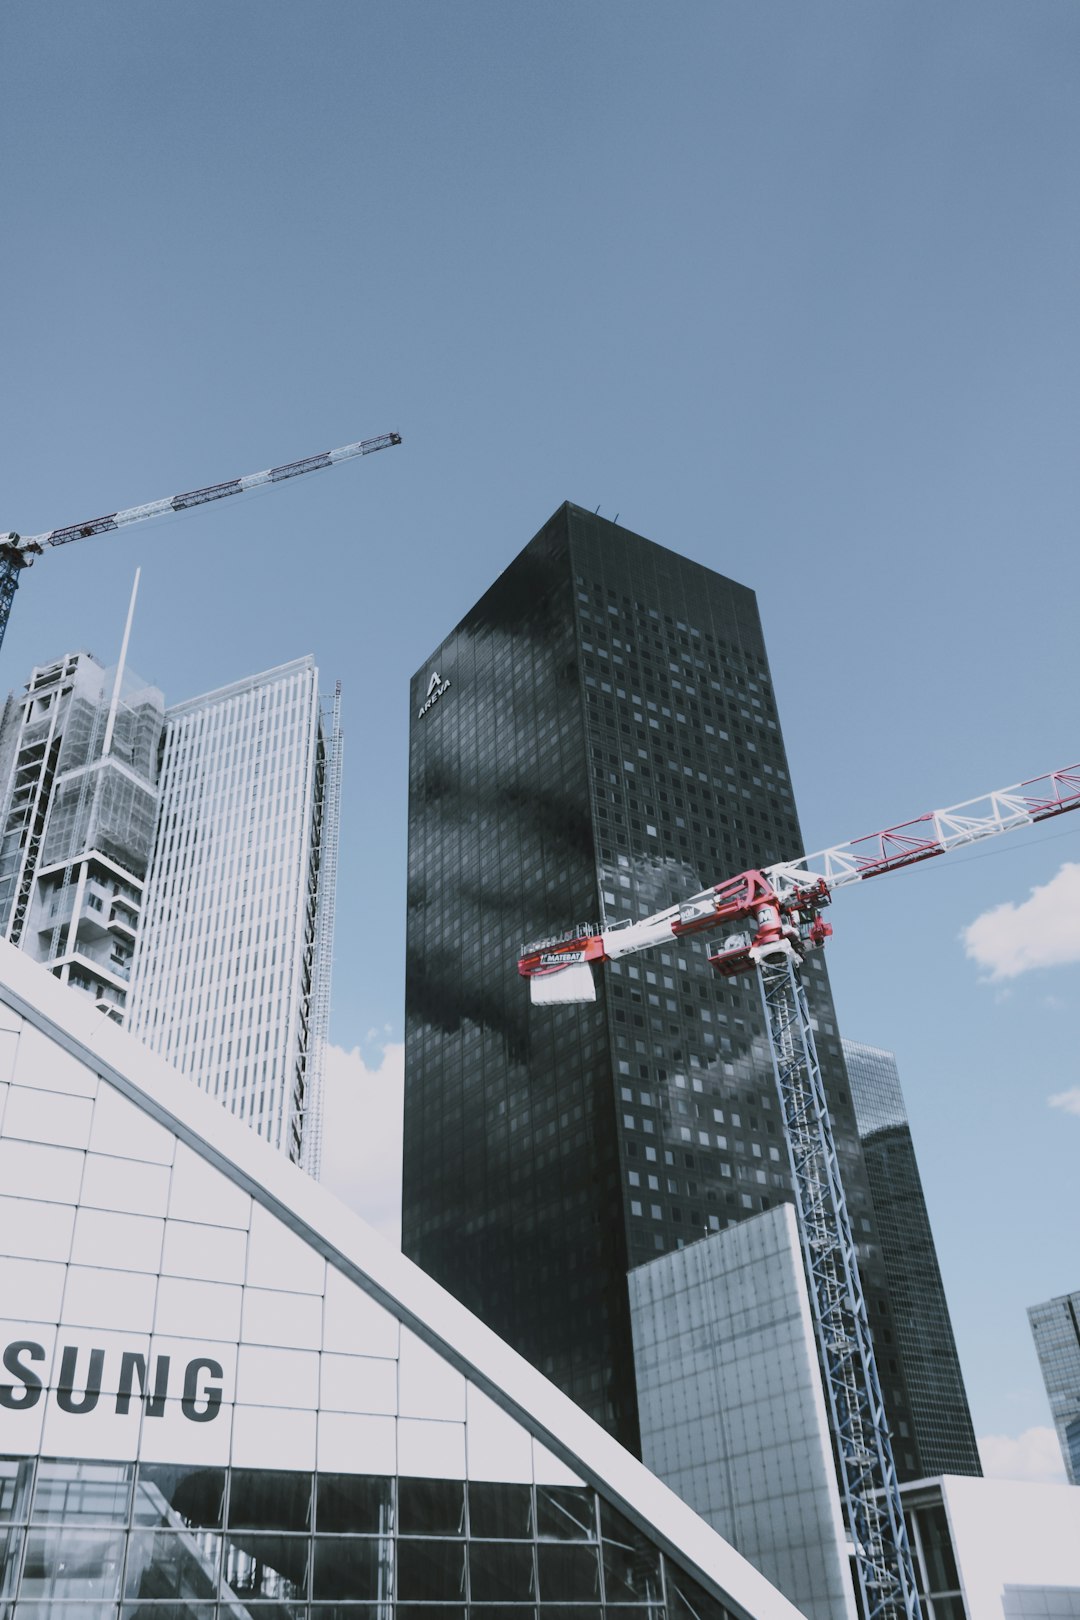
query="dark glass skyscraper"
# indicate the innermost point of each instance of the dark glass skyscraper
(597, 738)
(941, 1432)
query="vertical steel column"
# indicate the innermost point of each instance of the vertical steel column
(11, 566)
(329, 817)
(868, 1481)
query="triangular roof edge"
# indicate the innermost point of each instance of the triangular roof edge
(360, 1253)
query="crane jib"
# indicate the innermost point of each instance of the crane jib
(199, 497)
(291, 469)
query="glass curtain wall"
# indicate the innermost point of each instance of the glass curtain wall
(115, 1541)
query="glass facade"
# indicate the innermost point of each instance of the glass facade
(1055, 1326)
(232, 945)
(77, 822)
(941, 1434)
(603, 741)
(934, 1559)
(93, 1540)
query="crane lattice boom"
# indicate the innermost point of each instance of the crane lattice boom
(768, 920)
(784, 901)
(17, 551)
(32, 545)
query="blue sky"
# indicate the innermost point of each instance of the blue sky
(791, 288)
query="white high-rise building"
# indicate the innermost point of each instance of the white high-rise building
(178, 866)
(231, 976)
(78, 775)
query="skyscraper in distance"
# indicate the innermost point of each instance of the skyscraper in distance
(941, 1431)
(1055, 1327)
(231, 976)
(597, 738)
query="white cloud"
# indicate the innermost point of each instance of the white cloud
(1034, 1455)
(1043, 931)
(1068, 1101)
(362, 1129)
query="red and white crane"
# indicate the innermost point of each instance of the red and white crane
(17, 551)
(768, 920)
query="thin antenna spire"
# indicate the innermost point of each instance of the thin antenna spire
(115, 701)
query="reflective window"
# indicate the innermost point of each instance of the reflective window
(352, 1502)
(63, 1563)
(14, 1489)
(568, 1574)
(352, 1567)
(210, 1544)
(500, 1510)
(96, 1493)
(565, 1513)
(431, 1571)
(262, 1500)
(501, 1572)
(431, 1507)
(265, 1566)
(179, 1497)
(631, 1562)
(163, 1564)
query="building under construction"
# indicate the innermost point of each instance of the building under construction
(178, 866)
(79, 759)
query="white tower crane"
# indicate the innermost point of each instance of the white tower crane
(17, 551)
(769, 920)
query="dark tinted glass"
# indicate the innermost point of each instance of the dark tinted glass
(631, 1561)
(354, 1502)
(941, 1572)
(353, 1567)
(501, 1571)
(162, 1564)
(262, 1500)
(348, 1611)
(10, 1547)
(568, 1574)
(565, 1513)
(70, 1611)
(431, 1507)
(422, 1611)
(179, 1497)
(500, 1510)
(265, 1566)
(563, 1611)
(430, 1571)
(62, 1563)
(14, 1488)
(687, 1601)
(95, 1493)
(494, 1611)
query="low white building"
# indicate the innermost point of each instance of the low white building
(222, 1395)
(995, 1549)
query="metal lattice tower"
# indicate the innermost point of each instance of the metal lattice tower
(327, 856)
(868, 1481)
(769, 920)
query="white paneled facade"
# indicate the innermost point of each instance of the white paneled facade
(226, 976)
(210, 1371)
(732, 1411)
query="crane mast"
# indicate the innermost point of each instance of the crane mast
(17, 551)
(768, 921)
